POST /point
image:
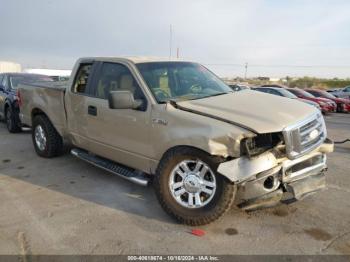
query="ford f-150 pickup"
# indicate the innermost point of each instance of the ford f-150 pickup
(178, 126)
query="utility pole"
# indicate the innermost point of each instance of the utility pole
(246, 70)
(170, 40)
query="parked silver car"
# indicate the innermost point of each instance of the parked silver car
(341, 93)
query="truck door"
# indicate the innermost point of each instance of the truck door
(76, 105)
(121, 135)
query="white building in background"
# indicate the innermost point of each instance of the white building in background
(60, 75)
(9, 67)
(275, 79)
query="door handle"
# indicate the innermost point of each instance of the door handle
(92, 110)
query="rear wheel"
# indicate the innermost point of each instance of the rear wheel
(47, 142)
(190, 190)
(12, 122)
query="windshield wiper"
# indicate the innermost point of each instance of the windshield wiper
(218, 94)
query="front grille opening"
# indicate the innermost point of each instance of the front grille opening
(313, 142)
(308, 125)
(304, 164)
(305, 135)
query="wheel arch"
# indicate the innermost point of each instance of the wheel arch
(179, 147)
(217, 158)
(37, 111)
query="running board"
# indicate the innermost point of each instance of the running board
(130, 174)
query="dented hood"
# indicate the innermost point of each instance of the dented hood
(260, 112)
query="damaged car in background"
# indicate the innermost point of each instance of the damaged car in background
(177, 126)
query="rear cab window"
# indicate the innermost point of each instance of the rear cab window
(82, 79)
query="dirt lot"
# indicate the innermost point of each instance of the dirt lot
(66, 206)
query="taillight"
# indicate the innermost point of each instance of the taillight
(19, 100)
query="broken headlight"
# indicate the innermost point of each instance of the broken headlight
(259, 144)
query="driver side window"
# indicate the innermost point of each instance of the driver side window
(116, 77)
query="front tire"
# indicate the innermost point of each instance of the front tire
(190, 190)
(12, 122)
(47, 141)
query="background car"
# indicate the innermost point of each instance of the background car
(325, 104)
(9, 107)
(343, 105)
(238, 87)
(341, 92)
(285, 93)
(274, 85)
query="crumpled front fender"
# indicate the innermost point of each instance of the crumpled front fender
(243, 168)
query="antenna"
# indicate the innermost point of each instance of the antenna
(170, 40)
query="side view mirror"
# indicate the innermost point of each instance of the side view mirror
(2, 88)
(123, 100)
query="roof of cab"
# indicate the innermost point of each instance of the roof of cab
(134, 59)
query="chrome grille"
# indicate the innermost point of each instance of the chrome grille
(305, 136)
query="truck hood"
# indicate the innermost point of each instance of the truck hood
(259, 112)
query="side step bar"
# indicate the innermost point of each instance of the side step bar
(125, 172)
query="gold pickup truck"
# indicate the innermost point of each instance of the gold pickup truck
(178, 126)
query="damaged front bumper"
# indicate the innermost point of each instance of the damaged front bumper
(266, 180)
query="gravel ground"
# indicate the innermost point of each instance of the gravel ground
(66, 206)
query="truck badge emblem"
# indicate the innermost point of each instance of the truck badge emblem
(160, 121)
(313, 134)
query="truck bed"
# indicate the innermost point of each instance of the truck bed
(47, 98)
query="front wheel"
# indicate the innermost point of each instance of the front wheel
(189, 188)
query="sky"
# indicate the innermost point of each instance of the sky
(274, 37)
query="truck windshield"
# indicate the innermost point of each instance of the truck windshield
(181, 81)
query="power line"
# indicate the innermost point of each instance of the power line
(292, 66)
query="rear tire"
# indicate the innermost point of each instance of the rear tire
(12, 121)
(210, 208)
(47, 141)
(339, 108)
